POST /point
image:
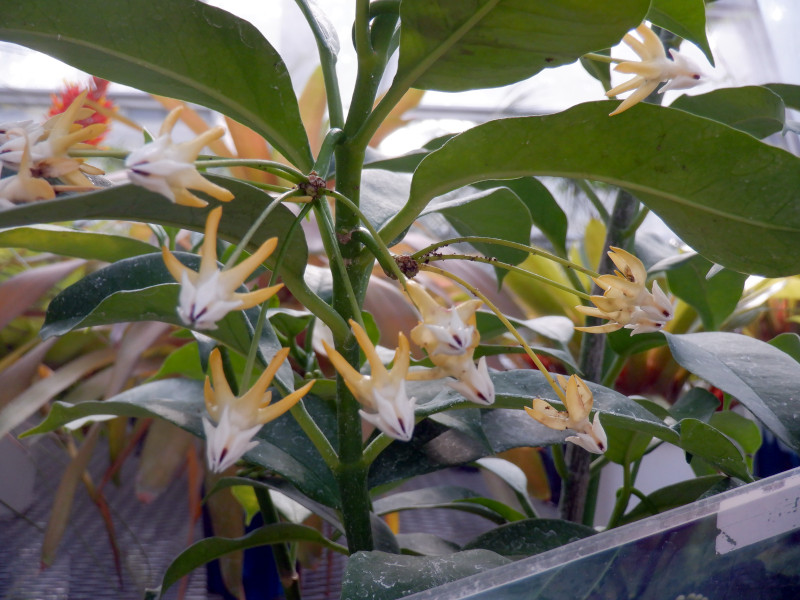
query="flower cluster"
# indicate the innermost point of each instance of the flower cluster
(578, 402)
(41, 152)
(167, 168)
(95, 98)
(209, 293)
(448, 335)
(239, 418)
(626, 301)
(655, 67)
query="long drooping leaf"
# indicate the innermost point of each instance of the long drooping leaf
(133, 203)
(72, 242)
(729, 196)
(182, 49)
(763, 378)
(453, 45)
(283, 448)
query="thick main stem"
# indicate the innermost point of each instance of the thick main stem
(576, 486)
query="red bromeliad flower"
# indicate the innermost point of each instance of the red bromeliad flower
(97, 95)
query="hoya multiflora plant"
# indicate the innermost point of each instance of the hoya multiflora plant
(335, 425)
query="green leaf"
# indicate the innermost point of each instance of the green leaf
(684, 18)
(72, 242)
(625, 344)
(741, 430)
(697, 403)
(133, 203)
(531, 536)
(790, 94)
(753, 109)
(714, 298)
(672, 496)
(545, 212)
(182, 49)
(699, 176)
(452, 45)
(400, 576)
(789, 343)
(183, 362)
(702, 440)
(758, 375)
(212, 548)
(283, 448)
(497, 213)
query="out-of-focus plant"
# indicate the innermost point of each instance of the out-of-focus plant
(699, 165)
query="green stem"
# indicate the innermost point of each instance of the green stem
(254, 227)
(253, 350)
(558, 462)
(325, 220)
(323, 162)
(507, 267)
(623, 496)
(630, 230)
(420, 254)
(327, 59)
(405, 78)
(388, 264)
(270, 166)
(613, 370)
(283, 561)
(511, 329)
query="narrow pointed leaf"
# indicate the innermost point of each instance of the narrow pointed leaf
(673, 496)
(90, 245)
(706, 442)
(452, 45)
(738, 208)
(182, 49)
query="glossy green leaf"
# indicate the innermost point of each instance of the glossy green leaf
(704, 179)
(702, 440)
(182, 362)
(741, 430)
(763, 378)
(753, 109)
(546, 213)
(72, 242)
(789, 93)
(531, 536)
(404, 575)
(625, 344)
(452, 45)
(684, 18)
(131, 203)
(182, 49)
(697, 403)
(209, 549)
(714, 298)
(789, 343)
(673, 496)
(283, 448)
